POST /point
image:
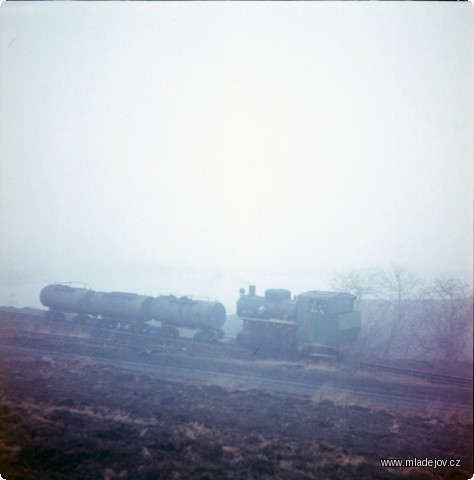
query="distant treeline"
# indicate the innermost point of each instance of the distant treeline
(404, 317)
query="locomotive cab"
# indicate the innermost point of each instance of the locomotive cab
(327, 319)
(313, 322)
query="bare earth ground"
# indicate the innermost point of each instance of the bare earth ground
(82, 420)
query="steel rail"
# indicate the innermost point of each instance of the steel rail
(103, 335)
(238, 381)
(431, 376)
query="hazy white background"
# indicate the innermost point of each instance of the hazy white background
(196, 147)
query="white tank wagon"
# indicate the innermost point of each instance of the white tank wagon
(130, 310)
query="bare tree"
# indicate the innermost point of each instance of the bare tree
(402, 290)
(446, 320)
(385, 299)
(399, 314)
(361, 283)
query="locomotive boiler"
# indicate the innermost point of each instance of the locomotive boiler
(130, 310)
(313, 322)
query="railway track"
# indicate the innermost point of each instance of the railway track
(64, 348)
(83, 397)
(431, 376)
(15, 323)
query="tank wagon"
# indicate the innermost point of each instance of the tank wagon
(313, 322)
(130, 310)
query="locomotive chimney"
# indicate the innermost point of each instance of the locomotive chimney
(252, 290)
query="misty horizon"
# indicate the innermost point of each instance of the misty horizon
(275, 142)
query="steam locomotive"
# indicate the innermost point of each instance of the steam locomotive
(312, 322)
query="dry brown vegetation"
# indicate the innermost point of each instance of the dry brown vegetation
(81, 420)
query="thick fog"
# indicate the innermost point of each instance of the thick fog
(194, 148)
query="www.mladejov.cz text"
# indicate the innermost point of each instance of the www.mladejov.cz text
(419, 462)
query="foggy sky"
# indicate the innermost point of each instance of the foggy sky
(236, 135)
